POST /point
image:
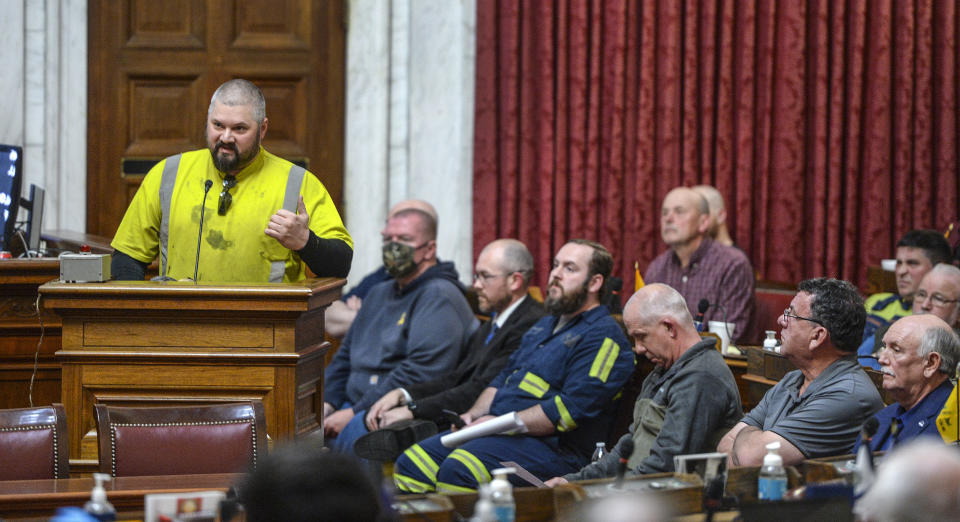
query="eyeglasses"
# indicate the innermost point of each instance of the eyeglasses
(225, 198)
(788, 314)
(485, 276)
(937, 299)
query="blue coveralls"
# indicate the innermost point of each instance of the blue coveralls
(574, 375)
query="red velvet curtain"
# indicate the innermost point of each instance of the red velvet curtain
(830, 126)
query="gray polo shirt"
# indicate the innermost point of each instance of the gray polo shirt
(824, 421)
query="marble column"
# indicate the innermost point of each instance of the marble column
(410, 67)
(43, 51)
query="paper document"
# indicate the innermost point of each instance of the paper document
(508, 423)
(523, 473)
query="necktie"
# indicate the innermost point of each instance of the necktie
(493, 331)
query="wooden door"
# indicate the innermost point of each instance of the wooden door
(153, 66)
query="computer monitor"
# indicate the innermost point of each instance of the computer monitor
(35, 217)
(11, 177)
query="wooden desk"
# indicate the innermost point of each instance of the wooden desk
(179, 343)
(20, 333)
(33, 498)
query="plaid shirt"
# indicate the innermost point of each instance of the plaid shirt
(720, 274)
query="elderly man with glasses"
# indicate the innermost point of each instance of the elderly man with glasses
(937, 294)
(816, 410)
(919, 353)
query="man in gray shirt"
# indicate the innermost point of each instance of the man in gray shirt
(686, 403)
(818, 409)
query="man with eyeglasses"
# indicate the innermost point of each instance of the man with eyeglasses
(919, 354)
(818, 409)
(265, 219)
(414, 411)
(410, 329)
(918, 251)
(938, 294)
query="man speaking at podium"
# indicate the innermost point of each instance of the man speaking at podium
(268, 217)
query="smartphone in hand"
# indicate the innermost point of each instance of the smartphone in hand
(453, 418)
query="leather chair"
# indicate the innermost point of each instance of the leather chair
(33, 443)
(222, 438)
(772, 298)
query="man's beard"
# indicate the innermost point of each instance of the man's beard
(496, 306)
(567, 303)
(235, 162)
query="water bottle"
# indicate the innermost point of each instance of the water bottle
(772, 484)
(600, 452)
(501, 495)
(770, 343)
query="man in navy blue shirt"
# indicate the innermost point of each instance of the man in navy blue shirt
(919, 353)
(340, 314)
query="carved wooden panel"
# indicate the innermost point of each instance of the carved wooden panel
(161, 114)
(218, 335)
(287, 131)
(168, 24)
(271, 24)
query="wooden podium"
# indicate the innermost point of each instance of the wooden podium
(180, 343)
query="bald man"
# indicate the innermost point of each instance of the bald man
(919, 354)
(687, 402)
(700, 268)
(340, 314)
(917, 482)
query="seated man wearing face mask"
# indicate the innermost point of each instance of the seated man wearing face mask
(409, 330)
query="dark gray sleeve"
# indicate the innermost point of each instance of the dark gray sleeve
(126, 268)
(604, 468)
(827, 423)
(697, 406)
(327, 257)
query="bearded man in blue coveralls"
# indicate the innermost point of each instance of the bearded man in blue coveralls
(562, 381)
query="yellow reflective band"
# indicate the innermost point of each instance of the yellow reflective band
(603, 362)
(566, 421)
(443, 487)
(403, 317)
(534, 385)
(423, 462)
(472, 463)
(410, 485)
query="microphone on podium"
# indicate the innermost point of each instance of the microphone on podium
(626, 450)
(196, 264)
(702, 307)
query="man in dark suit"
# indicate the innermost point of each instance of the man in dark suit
(405, 415)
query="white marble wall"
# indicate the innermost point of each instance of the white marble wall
(43, 52)
(410, 68)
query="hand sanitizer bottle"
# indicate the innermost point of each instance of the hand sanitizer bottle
(772, 484)
(501, 494)
(98, 507)
(483, 509)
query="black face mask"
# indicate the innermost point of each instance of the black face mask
(398, 259)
